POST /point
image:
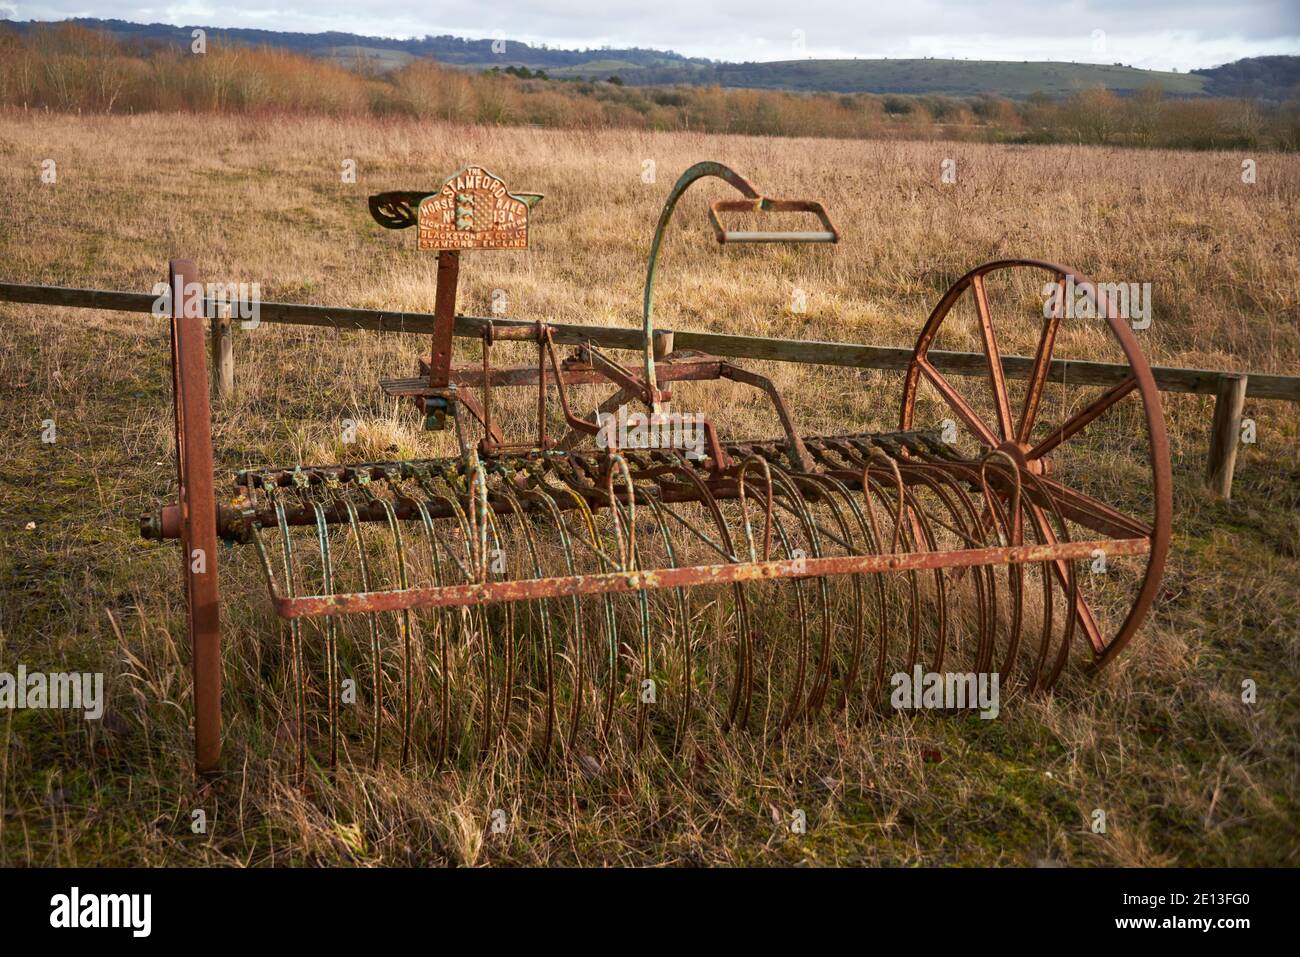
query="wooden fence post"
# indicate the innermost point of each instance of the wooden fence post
(223, 354)
(1225, 434)
(662, 344)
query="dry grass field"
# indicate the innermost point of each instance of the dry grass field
(1162, 742)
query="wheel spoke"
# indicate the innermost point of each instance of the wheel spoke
(1087, 621)
(1042, 363)
(997, 377)
(1095, 514)
(1084, 510)
(1081, 419)
(958, 404)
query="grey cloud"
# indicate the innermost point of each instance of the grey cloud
(1151, 33)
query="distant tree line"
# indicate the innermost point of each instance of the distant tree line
(71, 69)
(1259, 76)
(446, 49)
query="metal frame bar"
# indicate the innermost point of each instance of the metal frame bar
(196, 510)
(693, 575)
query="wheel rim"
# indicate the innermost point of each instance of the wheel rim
(1011, 430)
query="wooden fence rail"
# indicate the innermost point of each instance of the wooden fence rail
(1229, 388)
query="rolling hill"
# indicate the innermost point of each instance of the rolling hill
(952, 77)
(1271, 77)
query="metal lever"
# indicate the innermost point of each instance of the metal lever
(752, 202)
(829, 235)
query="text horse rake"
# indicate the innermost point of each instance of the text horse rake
(549, 593)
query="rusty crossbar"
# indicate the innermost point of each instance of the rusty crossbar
(452, 596)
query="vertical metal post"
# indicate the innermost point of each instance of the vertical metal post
(198, 509)
(1225, 433)
(444, 318)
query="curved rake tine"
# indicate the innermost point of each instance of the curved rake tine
(1011, 531)
(811, 530)
(743, 684)
(546, 494)
(627, 561)
(606, 563)
(1071, 582)
(833, 489)
(376, 668)
(331, 633)
(909, 535)
(404, 622)
(442, 623)
(295, 641)
(767, 506)
(453, 617)
(548, 648)
(683, 617)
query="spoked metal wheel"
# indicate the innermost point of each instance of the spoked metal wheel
(985, 406)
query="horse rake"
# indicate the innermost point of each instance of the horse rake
(639, 578)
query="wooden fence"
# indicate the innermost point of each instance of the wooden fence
(1230, 389)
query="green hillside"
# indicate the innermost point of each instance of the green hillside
(1274, 78)
(953, 77)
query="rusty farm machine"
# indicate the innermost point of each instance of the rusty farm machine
(547, 588)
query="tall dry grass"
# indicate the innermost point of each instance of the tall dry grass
(1186, 771)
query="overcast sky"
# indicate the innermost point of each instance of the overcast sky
(1156, 34)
